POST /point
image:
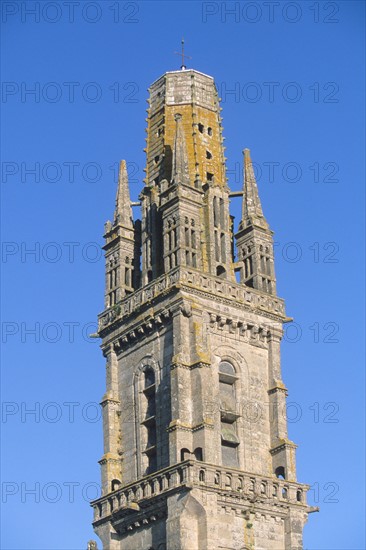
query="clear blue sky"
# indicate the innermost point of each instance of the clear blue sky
(297, 77)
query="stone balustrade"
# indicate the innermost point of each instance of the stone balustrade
(195, 474)
(201, 283)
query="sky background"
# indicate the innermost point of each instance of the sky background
(290, 76)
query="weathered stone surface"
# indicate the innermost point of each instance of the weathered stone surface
(195, 431)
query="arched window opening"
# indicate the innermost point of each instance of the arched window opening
(221, 271)
(185, 454)
(201, 476)
(115, 484)
(229, 438)
(209, 131)
(149, 377)
(227, 368)
(198, 453)
(284, 492)
(299, 495)
(227, 379)
(201, 128)
(148, 417)
(280, 472)
(228, 481)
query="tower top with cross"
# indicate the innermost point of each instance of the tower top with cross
(183, 56)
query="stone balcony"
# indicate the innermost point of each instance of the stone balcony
(231, 485)
(201, 284)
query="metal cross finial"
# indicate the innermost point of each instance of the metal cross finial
(183, 55)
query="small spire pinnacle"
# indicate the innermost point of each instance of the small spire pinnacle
(252, 213)
(180, 172)
(123, 211)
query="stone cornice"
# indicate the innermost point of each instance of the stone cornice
(283, 444)
(108, 458)
(280, 386)
(197, 364)
(178, 425)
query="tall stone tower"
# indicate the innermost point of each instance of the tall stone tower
(196, 452)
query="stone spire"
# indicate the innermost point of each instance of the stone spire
(123, 210)
(180, 173)
(252, 213)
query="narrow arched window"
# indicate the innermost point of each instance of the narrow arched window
(198, 453)
(227, 396)
(280, 472)
(148, 421)
(149, 377)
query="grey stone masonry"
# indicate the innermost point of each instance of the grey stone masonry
(196, 449)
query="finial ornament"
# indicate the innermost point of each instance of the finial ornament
(183, 55)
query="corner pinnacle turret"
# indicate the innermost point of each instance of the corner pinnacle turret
(252, 213)
(254, 238)
(123, 210)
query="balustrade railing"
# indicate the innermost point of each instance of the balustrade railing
(197, 280)
(193, 474)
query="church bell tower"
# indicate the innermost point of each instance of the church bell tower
(196, 451)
